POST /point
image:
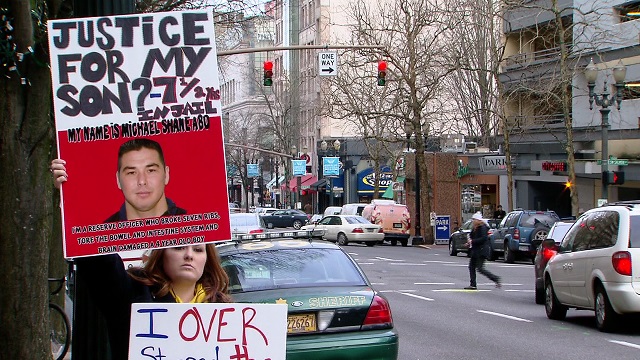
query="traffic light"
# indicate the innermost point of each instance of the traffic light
(382, 72)
(613, 177)
(268, 73)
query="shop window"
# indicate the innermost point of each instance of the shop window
(629, 11)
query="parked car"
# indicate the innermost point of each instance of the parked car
(543, 254)
(345, 229)
(286, 218)
(234, 208)
(333, 310)
(332, 210)
(458, 239)
(315, 218)
(246, 223)
(597, 265)
(514, 236)
(352, 209)
(393, 217)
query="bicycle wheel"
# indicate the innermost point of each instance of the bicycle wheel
(60, 332)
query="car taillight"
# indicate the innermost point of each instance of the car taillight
(547, 254)
(516, 234)
(256, 231)
(357, 230)
(621, 261)
(379, 315)
(381, 230)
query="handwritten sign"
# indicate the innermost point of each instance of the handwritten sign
(208, 331)
(139, 76)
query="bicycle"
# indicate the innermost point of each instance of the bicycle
(59, 324)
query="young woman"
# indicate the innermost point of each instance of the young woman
(173, 275)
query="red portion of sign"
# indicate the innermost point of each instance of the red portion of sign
(554, 166)
(196, 183)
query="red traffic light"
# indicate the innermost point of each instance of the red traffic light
(382, 73)
(268, 73)
(268, 65)
(382, 65)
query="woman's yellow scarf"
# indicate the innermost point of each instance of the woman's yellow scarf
(200, 297)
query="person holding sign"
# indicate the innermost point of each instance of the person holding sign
(181, 274)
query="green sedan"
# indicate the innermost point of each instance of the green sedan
(333, 312)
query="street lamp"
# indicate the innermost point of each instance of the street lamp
(296, 198)
(417, 236)
(604, 100)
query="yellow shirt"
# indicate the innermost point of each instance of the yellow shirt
(200, 297)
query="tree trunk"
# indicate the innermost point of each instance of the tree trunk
(26, 141)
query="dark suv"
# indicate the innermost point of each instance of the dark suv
(515, 233)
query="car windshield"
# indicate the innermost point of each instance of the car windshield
(357, 220)
(291, 268)
(531, 220)
(634, 231)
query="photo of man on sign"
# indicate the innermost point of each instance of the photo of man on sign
(142, 176)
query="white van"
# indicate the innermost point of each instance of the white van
(352, 209)
(332, 210)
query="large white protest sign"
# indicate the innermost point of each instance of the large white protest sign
(208, 331)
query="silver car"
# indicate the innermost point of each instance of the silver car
(597, 265)
(246, 223)
(344, 229)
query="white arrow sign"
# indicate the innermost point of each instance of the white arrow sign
(327, 64)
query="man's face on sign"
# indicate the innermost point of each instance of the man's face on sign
(142, 177)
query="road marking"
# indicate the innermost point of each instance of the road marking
(365, 263)
(515, 290)
(434, 283)
(386, 259)
(504, 316)
(515, 266)
(457, 265)
(409, 264)
(460, 290)
(416, 296)
(378, 284)
(624, 343)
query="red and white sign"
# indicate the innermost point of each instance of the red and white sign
(208, 331)
(306, 157)
(152, 76)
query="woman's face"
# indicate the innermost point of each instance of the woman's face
(185, 263)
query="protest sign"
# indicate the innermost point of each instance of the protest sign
(208, 331)
(139, 76)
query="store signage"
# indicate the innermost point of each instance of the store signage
(554, 166)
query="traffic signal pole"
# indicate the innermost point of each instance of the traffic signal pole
(296, 47)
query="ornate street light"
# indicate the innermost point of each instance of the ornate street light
(604, 100)
(295, 198)
(417, 236)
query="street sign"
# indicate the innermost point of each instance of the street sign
(614, 161)
(253, 170)
(330, 166)
(442, 229)
(328, 63)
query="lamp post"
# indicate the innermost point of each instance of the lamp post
(604, 100)
(417, 236)
(296, 198)
(336, 152)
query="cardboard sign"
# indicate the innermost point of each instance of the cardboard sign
(139, 76)
(208, 331)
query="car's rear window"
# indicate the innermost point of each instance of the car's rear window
(356, 220)
(634, 231)
(532, 220)
(290, 268)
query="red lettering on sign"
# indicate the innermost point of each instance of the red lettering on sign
(246, 324)
(554, 166)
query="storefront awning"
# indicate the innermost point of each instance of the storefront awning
(320, 184)
(305, 182)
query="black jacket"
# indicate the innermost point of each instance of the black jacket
(480, 246)
(112, 291)
(121, 215)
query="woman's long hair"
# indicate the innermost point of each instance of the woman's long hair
(214, 279)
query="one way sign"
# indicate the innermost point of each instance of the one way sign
(327, 64)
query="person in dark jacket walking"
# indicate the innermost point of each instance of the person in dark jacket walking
(479, 249)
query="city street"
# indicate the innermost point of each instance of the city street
(437, 319)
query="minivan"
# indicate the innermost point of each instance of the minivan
(393, 217)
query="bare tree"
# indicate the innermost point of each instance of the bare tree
(411, 33)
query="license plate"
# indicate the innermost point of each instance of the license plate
(301, 323)
(397, 225)
(523, 248)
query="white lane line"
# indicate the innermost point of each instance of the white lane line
(360, 263)
(515, 290)
(408, 264)
(624, 343)
(434, 283)
(386, 259)
(416, 296)
(503, 315)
